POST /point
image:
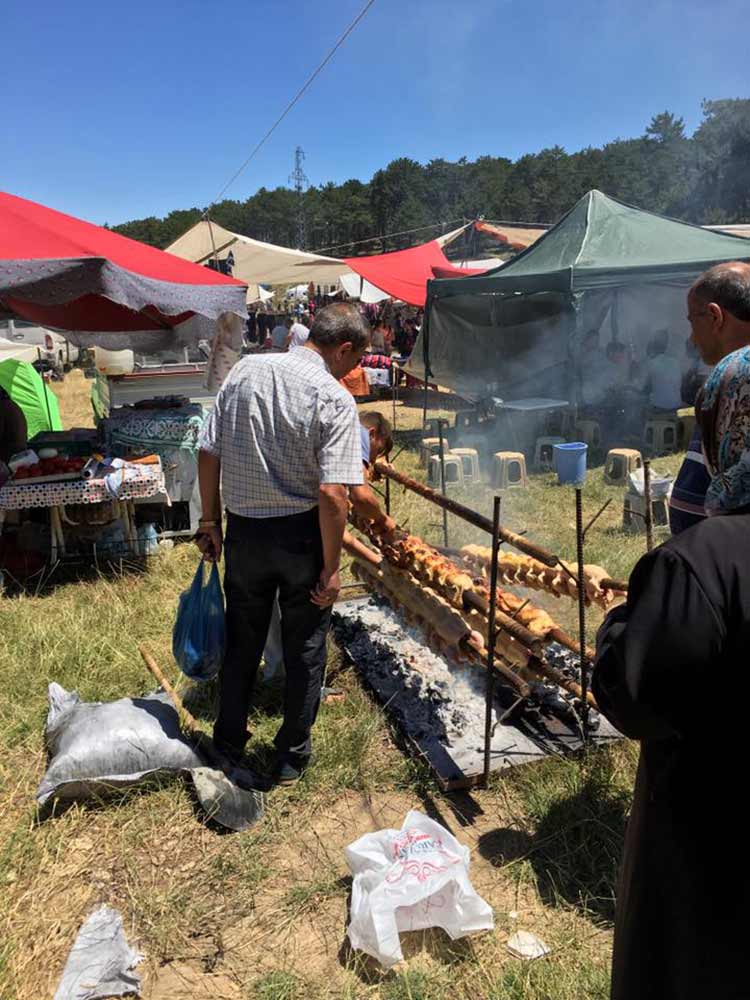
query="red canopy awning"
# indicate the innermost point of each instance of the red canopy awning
(60, 271)
(404, 273)
(456, 272)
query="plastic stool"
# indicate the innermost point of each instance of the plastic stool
(428, 448)
(660, 435)
(685, 426)
(544, 454)
(634, 512)
(620, 462)
(509, 470)
(470, 459)
(454, 471)
(589, 432)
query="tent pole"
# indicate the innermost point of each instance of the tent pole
(425, 357)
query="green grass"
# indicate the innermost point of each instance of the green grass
(267, 909)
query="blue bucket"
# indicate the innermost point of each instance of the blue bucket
(570, 463)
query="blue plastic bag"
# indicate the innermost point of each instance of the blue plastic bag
(198, 634)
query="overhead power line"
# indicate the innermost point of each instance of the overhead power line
(291, 104)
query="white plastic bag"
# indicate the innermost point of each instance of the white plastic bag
(408, 880)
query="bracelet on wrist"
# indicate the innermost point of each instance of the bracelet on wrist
(208, 524)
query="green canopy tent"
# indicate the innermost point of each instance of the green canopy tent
(25, 386)
(517, 330)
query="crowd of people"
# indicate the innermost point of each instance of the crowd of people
(394, 328)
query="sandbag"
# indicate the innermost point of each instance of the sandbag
(94, 747)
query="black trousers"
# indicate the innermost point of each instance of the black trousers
(261, 556)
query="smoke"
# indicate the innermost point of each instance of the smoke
(521, 347)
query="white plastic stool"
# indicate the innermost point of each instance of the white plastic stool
(660, 435)
(428, 448)
(470, 459)
(634, 512)
(620, 462)
(509, 470)
(544, 454)
(454, 471)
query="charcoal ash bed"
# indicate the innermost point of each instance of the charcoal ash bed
(438, 707)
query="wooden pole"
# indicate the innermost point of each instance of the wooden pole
(582, 615)
(467, 514)
(649, 507)
(491, 640)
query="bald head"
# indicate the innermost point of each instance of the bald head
(719, 310)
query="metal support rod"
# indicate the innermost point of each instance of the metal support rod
(582, 615)
(491, 641)
(394, 371)
(442, 480)
(424, 403)
(649, 518)
(388, 497)
(467, 514)
(596, 516)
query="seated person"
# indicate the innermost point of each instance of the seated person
(593, 371)
(662, 375)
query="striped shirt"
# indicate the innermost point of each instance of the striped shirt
(688, 497)
(282, 426)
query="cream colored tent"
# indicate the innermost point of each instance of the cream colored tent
(256, 262)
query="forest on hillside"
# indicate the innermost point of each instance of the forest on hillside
(703, 178)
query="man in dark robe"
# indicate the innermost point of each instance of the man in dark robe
(670, 672)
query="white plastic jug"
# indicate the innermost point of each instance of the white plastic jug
(114, 362)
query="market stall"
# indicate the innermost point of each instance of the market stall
(65, 501)
(82, 491)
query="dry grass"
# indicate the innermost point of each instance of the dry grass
(74, 397)
(263, 914)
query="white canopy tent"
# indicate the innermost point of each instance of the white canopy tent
(256, 262)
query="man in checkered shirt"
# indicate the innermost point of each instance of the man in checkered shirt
(284, 440)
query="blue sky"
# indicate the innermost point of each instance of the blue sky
(117, 111)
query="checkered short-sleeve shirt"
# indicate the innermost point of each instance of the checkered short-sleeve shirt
(282, 426)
